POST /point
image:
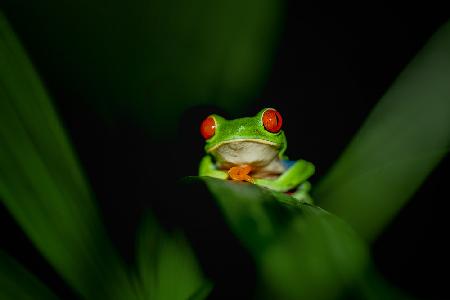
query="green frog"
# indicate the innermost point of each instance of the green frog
(253, 149)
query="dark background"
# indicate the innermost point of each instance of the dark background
(330, 67)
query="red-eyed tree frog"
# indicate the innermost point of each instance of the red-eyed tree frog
(252, 149)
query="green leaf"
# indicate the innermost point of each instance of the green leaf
(16, 283)
(43, 187)
(302, 251)
(371, 286)
(167, 266)
(150, 60)
(403, 140)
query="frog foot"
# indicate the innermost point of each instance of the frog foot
(240, 173)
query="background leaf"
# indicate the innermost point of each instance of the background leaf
(18, 283)
(44, 189)
(150, 60)
(404, 138)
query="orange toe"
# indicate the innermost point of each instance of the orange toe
(241, 173)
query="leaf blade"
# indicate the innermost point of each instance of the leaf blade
(17, 283)
(406, 135)
(301, 251)
(43, 187)
(167, 266)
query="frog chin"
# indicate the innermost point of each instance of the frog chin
(262, 156)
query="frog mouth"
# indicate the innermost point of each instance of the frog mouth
(239, 141)
(262, 156)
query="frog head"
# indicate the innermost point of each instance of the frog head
(255, 141)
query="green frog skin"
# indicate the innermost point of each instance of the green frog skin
(252, 149)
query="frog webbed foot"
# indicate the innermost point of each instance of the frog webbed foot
(302, 193)
(241, 173)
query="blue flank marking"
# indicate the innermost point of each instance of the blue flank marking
(288, 163)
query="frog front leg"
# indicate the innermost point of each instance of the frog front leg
(291, 178)
(208, 168)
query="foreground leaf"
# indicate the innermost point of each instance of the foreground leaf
(18, 284)
(405, 137)
(43, 187)
(302, 251)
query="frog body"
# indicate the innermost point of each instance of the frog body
(253, 149)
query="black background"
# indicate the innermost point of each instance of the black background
(331, 66)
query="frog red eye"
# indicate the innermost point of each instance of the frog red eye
(208, 127)
(272, 120)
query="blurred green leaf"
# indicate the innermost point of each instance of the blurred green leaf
(18, 284)
(153, 59)
(404, 138)
(302, 251)
(42, 186)
(167, 266)
(371, 286)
